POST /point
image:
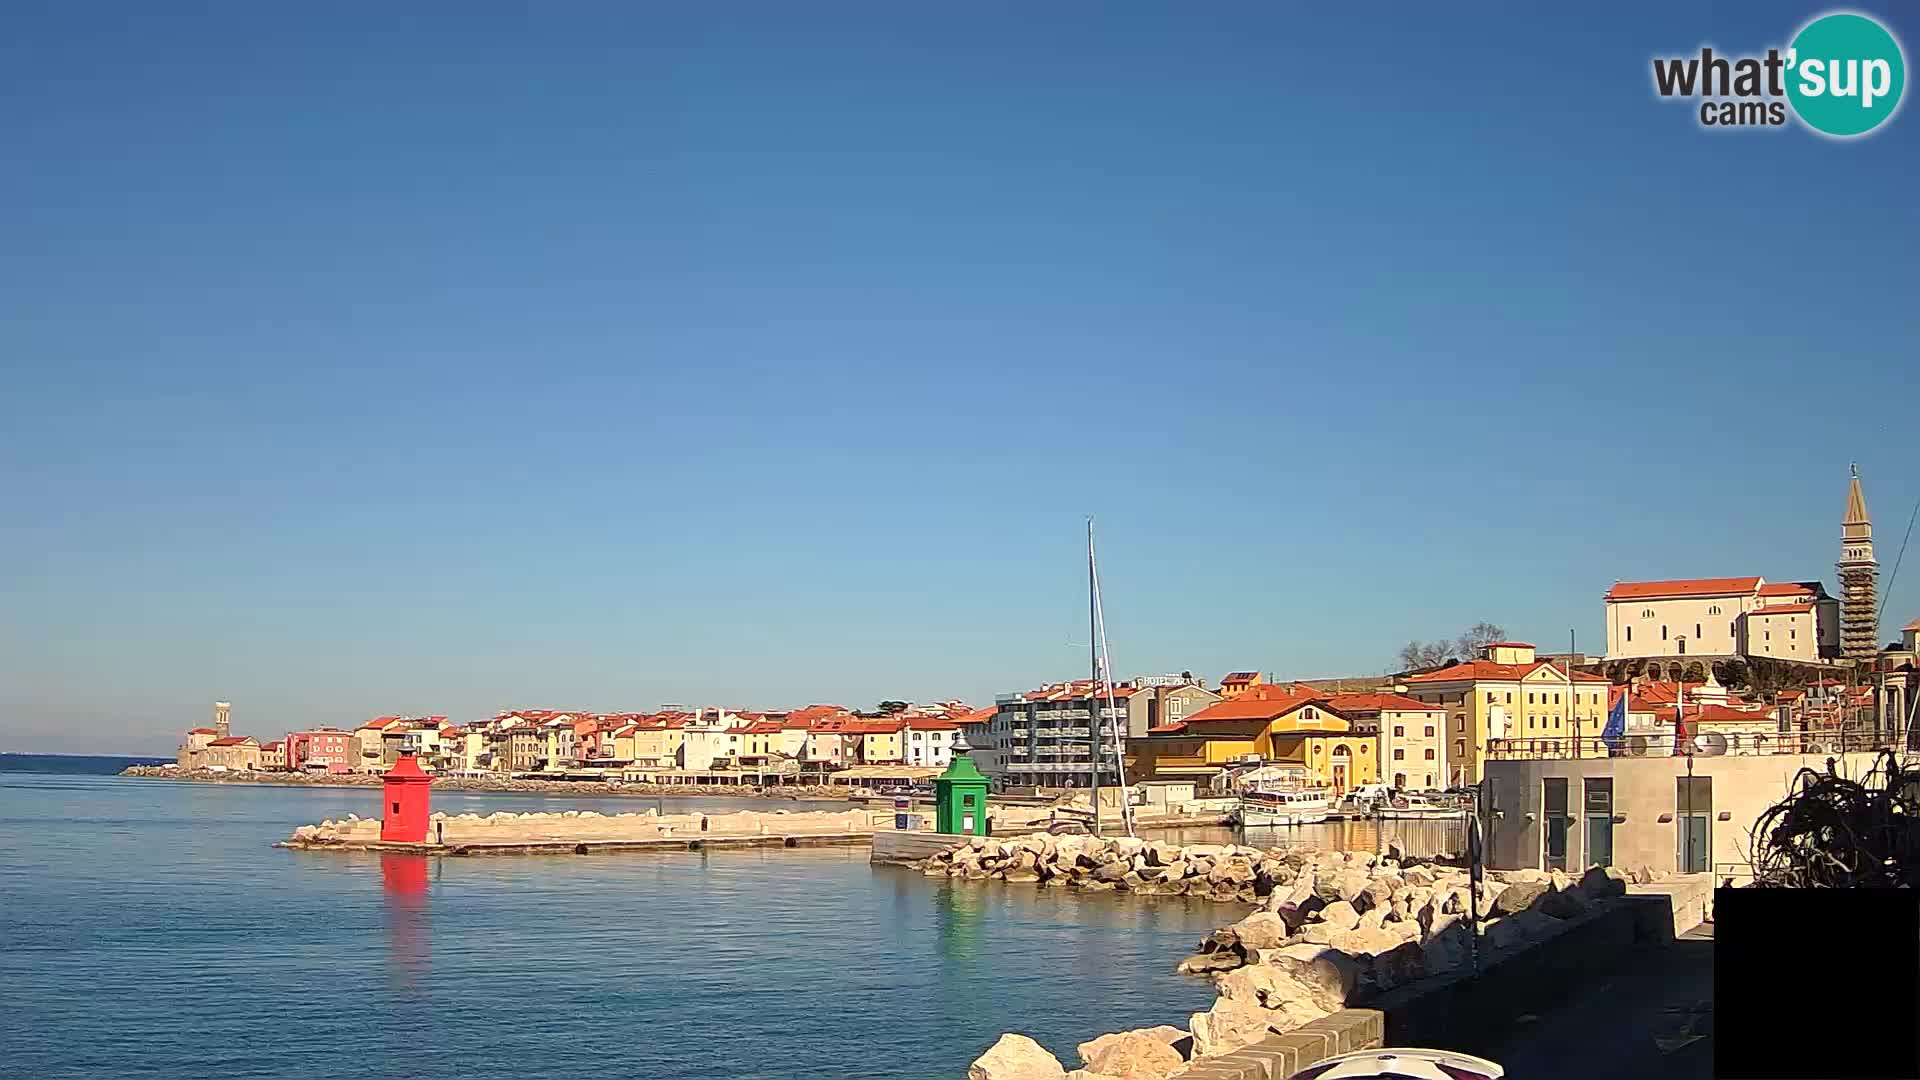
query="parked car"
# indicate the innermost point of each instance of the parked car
(1401, 1063)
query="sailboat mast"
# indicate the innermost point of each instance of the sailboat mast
(1093, 689)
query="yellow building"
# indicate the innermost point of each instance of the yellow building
(657, 743)
(1509, 694)
(1286, 727)
(1239, 682)
(880, 741)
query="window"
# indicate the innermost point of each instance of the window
(1629, 633)
(1399, 731)
(1429, 753)
(1429, 731)
(1714, 610)
(1792, 634)
(1529, 699)
(1646, 613)
(1490, 697)
(1556, 699)
(1459, 723)
(1509, 697)
(1663, 632)
(1766, 635)
(1399, 754)
(1459, 748)
(1696, 630)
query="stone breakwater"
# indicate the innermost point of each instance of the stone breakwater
(587, 826)
(1330, 930)
(592, 788)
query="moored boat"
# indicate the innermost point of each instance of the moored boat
(1284, 809)
(1410, 807)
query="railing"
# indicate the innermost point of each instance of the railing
(1743, 744)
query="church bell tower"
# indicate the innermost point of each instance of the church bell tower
(1859, 578)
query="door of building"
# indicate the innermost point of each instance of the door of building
(1599, 813)
(1556, 821)
(1693, 811)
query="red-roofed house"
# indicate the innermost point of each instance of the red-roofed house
(1295, 735)
(237, 752)
(1718, 617)
(320, 750)
(1513, 695)
(1408, 734)
(1239, 682)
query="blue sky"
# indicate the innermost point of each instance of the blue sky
(361, 360)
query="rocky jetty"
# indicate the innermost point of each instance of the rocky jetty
(1330, 929)
(586, 826)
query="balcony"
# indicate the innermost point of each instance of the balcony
(1661, 744)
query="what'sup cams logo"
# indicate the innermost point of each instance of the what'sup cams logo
(1842, 76)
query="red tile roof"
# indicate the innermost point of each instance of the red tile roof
(232, 740)
(202, 731)
(1658, 590)
(1258, 703)
(980, 716)
(1488, 670)
(1379, 702)
(1710, 714)
(1914, 625)
(932, 723)
(1785, 588)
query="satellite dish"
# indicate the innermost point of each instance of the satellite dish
(1637, 746)
(1710, 744)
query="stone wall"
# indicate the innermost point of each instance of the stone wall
(582, 826)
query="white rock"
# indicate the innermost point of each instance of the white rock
(1016, 1057)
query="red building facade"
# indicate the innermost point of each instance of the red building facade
(323, 749)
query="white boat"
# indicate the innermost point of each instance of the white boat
(1268, 809)
(1418, 808)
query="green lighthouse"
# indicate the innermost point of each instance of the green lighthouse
(960, 795)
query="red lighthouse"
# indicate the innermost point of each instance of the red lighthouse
(407, 803)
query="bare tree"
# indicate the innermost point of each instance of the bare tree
(1479, 636)
(1417, 654)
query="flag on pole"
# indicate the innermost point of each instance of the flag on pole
(1680, 737)
(1616, 730)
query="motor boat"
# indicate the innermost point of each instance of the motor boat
(1283, 808)
(1414, 807)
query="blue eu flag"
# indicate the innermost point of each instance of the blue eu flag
(1616, 730)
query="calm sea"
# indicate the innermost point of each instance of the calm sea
(148, 928)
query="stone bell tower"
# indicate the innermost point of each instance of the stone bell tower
(221, 725)
(1859, 578)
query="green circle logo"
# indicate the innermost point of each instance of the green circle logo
(1845, 74)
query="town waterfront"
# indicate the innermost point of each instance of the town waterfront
(151, 929)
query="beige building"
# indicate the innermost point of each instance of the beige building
(1509, 694)
(1410, 736)
(1734, 616)
(192, 753)
(1640, 811)
(1165, 699)
(236, 752)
